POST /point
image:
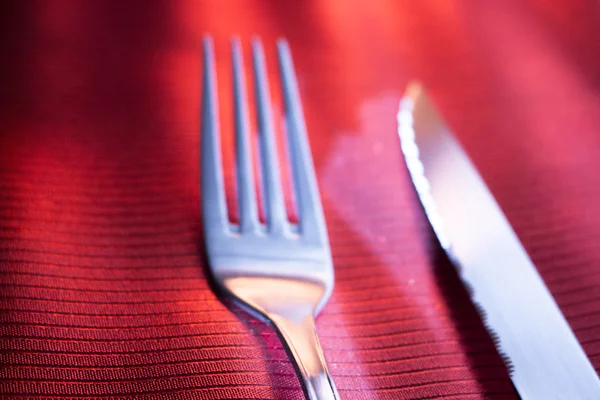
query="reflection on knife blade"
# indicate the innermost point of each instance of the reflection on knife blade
(544, 358)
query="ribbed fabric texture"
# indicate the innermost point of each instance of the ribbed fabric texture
(103, 284)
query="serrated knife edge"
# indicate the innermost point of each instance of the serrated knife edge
(544, 358)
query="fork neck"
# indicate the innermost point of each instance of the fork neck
(290, 304)
(303, 344)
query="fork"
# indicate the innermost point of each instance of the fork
(278, 271)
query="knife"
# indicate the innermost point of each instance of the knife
(544, 359)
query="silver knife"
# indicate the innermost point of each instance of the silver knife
(544, 358)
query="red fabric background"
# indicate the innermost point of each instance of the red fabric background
(103, 288)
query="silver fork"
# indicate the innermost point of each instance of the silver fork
(279, 271)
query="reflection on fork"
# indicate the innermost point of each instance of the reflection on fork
(280, 271)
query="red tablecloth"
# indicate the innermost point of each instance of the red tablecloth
(103, 288)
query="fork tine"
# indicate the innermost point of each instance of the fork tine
(214, 210)
(276, 215)
(311, 219)
(246, 193)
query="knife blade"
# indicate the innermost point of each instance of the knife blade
(544, 358)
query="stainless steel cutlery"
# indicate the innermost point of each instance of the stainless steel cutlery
(543, 356)
(279, 271)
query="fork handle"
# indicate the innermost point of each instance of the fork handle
(300, 337)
